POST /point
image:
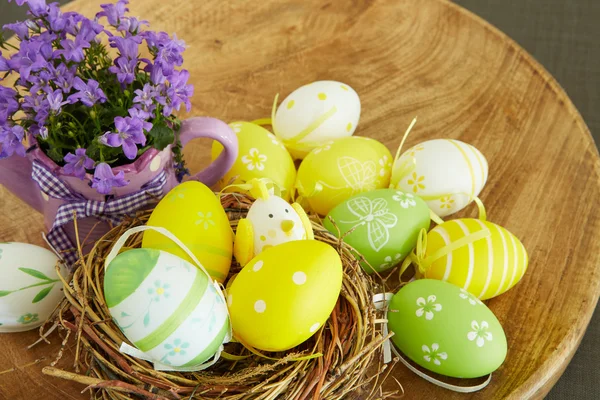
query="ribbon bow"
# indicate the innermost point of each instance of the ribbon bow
(112, 211)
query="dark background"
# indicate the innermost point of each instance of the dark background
(563, 35)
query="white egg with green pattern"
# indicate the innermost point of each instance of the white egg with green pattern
(30, 288)
(166, 307)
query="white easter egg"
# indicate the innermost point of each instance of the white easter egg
(274, 221)
(166, 307)
(446, 173)
(30, 288)
(316, 113)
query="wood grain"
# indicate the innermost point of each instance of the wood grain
(406, 58)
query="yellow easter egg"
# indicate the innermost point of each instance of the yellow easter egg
(285, 294)
(316, 113)
(486, 267)
(193, 213)
(261, 155)
(341, 169)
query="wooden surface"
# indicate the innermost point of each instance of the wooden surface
(406, 58)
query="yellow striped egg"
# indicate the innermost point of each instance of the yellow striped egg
(446, 173)
(485, 267)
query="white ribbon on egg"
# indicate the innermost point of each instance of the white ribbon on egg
(133, 351)
(382, 302)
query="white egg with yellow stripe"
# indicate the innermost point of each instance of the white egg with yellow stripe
(446, 173)
(169, 309)
(479, 256)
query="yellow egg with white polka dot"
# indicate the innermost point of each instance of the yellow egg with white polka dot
(261, 155)
(316, 113)
(446, 173)
(338, 170)
(285, 294)
(486, 265)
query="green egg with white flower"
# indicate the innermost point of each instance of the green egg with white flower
(169, 309)
(382, 225)
(446, 330)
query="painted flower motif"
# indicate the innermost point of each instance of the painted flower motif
(412, 151)
(384, 162)
(28, 318)
(447, 202)
(177, 347)
(276, 141)
(376, 215)
(434, 354)
(177, 193)
(427, 307)
(390, 262)
(405, 199)
(468, 296)
(160, 290)
(237, 128)
(416, 182)
(326, 146)
(254, 160)
(479, 333)
(205, 219)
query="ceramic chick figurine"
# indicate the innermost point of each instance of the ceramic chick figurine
(270, 221)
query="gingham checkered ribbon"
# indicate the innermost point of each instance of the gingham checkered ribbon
(112, 211)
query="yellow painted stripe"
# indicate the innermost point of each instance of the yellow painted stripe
(466, 231)
(468, 164)
(490, 265)
(478, 156)
(446, 238)
(515, 261)
(505, 259)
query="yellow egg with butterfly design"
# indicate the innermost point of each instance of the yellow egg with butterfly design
(340, 169)
(479, 256)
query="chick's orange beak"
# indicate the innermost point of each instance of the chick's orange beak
(287, 226)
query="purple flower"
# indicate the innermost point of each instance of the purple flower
(19, 28)
(113, 12)
(72, 50)
(89, 93)
(131, 25)
(145, 95)
(40, 81)
(37, 8)
(104, 179)
(38, 107)
(142, 116)
(36, 130)
(28, 59)
(3, 63)
(77, 163)
(8, 103)
(55, 101)
(142, 112)
(128, 47)
(130, 132)
(56, 18)
(11, 138)
(157, 77)
(169, 54)
(124, 69)
(89, 30)
(155, 39)
(63, 77)
(179, 92)
(19, 2)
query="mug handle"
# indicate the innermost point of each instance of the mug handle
(212, 128)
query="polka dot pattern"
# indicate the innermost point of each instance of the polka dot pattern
(344, 87)
(314, 327)
(260, 306)
(349, 127)
(322, 96)
(155, 164)
(258, 266)
(263, 238)
(290, 104)
(299, 278)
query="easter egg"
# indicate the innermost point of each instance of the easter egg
(341, 169)
(193, 213)
(486, 267)
(261, 155)
(446, 173)
(316, 113)
(30, 287)
(285, 294)
(166, 307)
(384, 225)
(446, 330)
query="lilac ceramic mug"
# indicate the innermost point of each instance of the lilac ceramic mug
(16, 175)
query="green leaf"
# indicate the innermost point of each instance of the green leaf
(161, 135)
(42, 294)
(36, 274)
(5, 292)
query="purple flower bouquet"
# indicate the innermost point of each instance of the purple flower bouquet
(95, 104)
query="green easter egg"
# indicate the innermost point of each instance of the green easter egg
(385, 225)
(445, 329)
